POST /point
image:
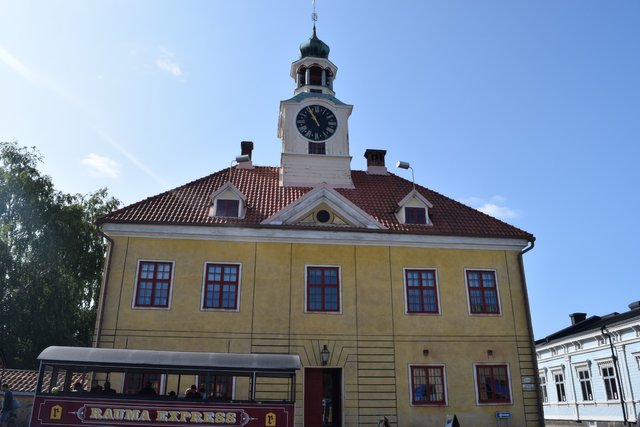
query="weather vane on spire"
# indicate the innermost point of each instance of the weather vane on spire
(314, 15)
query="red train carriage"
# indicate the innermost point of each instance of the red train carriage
(121, 387)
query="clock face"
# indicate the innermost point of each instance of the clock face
(316, 122)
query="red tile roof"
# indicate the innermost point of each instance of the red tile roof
(378, 195)
(20, 380)
(25, 381)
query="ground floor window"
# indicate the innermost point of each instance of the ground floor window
(427, 385)
(492, 383)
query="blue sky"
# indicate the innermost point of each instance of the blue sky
(527, 110)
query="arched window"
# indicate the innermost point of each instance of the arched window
(316, 76)
(302, 72)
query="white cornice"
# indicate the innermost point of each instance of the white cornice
(328, 237)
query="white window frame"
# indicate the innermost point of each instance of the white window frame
(306, 293)
(544, 389)
(204, 284)
(609, 364)
(444, 384)
(134, 306)
(581, 367)
(636, 356)
(406, 299)
(477, 391)
(560, 371)
(466, 290)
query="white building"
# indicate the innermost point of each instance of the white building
(590, 371)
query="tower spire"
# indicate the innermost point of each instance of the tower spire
(314, 17)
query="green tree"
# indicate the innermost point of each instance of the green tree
(51, 259)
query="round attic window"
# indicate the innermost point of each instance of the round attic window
(323, 216)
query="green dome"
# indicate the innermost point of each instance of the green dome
(314, 47)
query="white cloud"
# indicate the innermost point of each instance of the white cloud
(495, 206)
(101, 166)
(501, 212)
(133, 159)
(165, 62)
(97, 165)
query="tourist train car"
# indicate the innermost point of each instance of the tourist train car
(123, 387)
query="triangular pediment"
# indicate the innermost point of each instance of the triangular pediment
(414, 198)
(324, 207)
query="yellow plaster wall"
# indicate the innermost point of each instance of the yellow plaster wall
(372, 338)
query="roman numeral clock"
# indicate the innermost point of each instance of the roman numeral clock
(316, 122)
(313, 124)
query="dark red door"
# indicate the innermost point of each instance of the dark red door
(322, 397)
(313, 397)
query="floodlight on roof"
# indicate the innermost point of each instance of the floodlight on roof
(407, 165)
(239, 159)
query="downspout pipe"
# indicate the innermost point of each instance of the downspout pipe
(103, 291)
(607, 334)
(536, 377)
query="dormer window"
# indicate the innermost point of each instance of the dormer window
(228, 202)
(415, 215)
(414, 209)
(227, 208)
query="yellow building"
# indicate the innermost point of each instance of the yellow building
(400, 301)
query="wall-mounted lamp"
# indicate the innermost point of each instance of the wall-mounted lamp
(489, 353)
(425, 352)
(239, 159)
(407, 165)
(324, 355)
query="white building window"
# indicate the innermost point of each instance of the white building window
(609, 379)
(543, 387)
(584, 376)
(558, 378)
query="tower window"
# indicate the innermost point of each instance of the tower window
(316, 76)
(302, 73)
(316, 148)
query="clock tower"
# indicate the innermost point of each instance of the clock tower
(313, 124)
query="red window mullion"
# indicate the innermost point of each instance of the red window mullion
(429, 386)
(210, 285)
(494, 372)
(323, 288)
(423, 288)
(154, 280)
(484, 292)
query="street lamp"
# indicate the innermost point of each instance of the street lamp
(407, 165)
(324, 355)
(239, 159)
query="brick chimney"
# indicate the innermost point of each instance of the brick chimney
(247, 149)
(375, 162)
